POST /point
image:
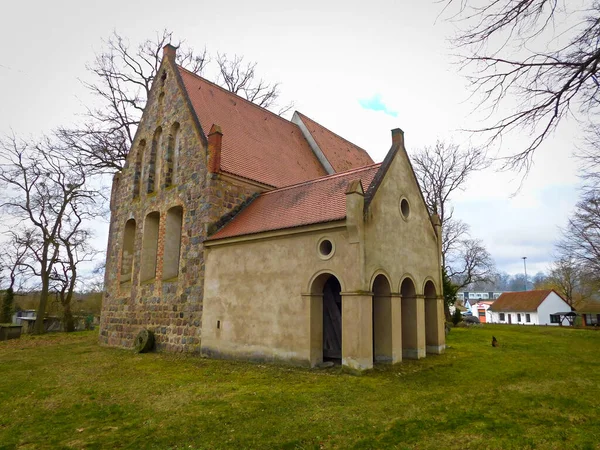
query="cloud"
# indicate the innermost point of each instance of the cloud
(376, 104)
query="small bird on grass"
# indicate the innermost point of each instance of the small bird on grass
(495, 342)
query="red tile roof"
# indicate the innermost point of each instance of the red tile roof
(341, 154)
(257, 144)
(521, 301)
(589, 307)
(316, 201)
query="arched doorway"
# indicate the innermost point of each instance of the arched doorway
(327, 288)
(382, 320)
(413, 333)
(432, 318)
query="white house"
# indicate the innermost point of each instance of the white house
(481, 309)
(543, 307)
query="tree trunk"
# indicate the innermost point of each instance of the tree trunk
(447, 312)
(68, 321)
(38, 327)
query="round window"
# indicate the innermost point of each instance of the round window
(326, 248)
(404, 208)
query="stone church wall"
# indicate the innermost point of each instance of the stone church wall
(170, 307)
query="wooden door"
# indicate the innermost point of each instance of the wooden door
(332, 321)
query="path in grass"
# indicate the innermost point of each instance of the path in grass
(539, 389)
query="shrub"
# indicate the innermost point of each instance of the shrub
(7, 306)
(456, 317)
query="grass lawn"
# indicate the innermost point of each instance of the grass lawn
(539, 389)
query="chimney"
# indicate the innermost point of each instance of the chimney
(398, 137)
(355, 204)
(169, 52)
(215, 138)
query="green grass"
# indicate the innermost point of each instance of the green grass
(539, 389)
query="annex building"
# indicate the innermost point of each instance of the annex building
(239, 234)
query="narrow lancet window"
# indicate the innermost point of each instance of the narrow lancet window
(154, 163)
(172, 156)
(149, 247)
(172, 242)
(137, 169)
(128, 248)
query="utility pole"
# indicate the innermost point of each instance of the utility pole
(525, 267)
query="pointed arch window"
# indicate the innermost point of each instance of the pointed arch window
(149, 247)
(137, 169)
(172, 242)
(128, 249)
(154, 163)
(172, 156)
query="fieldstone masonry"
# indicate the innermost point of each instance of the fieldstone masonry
(171, 308)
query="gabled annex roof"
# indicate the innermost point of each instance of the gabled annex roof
(521, 301)
(317, 201)
(589, 307)
(262, 146)
(342, 154)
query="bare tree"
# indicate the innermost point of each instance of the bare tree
(472, 263)
(44, 187)
(442, 170)
(11, 261)
(542, 56)
(75, 249)
(565, 276)
(581, 238)
(240, 78)
(123, 75)
(14, 255)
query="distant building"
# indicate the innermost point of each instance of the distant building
(590, 314)
(541, 307)
(467, 296)
(480, 309)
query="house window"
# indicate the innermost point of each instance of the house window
(554, 318)
(481, 313)
(592, 319)
(527, 318)
(502, 316)
(518, 317)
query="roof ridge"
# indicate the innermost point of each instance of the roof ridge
(236, 95)
(334, 133)
(323, 178)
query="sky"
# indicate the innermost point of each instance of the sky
(360, 69)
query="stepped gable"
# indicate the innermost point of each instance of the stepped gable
(311, 202)
(342, 154)
(257, 144)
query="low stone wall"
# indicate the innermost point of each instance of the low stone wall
(10, 332)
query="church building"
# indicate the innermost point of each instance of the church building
(236, 233)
